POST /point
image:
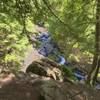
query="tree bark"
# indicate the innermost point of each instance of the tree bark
(92, 76)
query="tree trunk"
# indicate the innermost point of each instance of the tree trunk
(92, 76)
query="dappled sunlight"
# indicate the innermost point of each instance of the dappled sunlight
(49, 50)
(6, 79)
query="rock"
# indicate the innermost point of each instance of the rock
(36, 68)
(44, 88)
(31, 89)
(46, 68)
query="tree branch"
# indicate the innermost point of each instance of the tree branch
(48, 6)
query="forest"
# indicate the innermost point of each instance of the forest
(49, 49)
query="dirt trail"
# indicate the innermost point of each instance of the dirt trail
(33, 55)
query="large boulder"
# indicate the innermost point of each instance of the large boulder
(22, 86)
(47, 68)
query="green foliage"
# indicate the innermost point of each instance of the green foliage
(70, 22)
(73, 23)
(68, 72)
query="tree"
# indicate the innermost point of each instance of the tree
(70, 23)
(92, 76)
